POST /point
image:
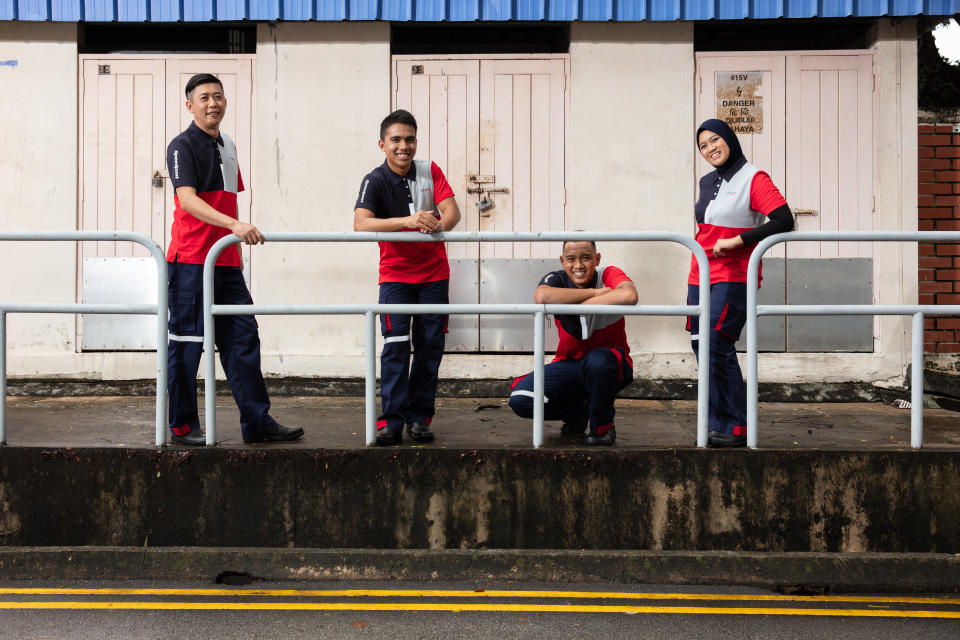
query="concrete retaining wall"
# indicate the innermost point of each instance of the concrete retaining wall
(486, 499)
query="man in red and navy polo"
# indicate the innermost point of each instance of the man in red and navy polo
(202, 163)
(404, 194)
(593, 362)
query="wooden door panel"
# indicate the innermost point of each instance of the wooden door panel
(444, 96)
(830, 164)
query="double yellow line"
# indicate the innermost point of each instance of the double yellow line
(883, 601)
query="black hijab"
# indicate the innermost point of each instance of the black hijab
(736, 159)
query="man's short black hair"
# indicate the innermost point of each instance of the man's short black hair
(400, 116)
(592, 244)
(199, 79)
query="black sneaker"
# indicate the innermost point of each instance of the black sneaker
(420, 432)
(576, 425)
(725, 440)
(607, 438)
(272, 433)
(387, 436)
(194, 438)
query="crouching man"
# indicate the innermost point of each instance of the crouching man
(593, 359)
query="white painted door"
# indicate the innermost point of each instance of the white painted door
(817, 144)
(496, 125)
(830, 136)
(131, 106)
(522, 116)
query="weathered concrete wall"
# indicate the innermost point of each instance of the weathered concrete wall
(487, 499)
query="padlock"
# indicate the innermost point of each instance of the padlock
(484, 203)
(157, 179)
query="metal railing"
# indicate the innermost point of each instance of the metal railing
(539, 311)
(916, 310)
(159, 309)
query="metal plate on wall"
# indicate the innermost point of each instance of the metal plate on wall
(119, 281)
(513, 281)
(464, 330)
(771, 330)
(830, 281)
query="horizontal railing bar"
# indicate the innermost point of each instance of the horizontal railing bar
(538, 311)
(917, 311)
(476, 236)
(109, 309)
(451, 309)
(55, 236)
(856, 310)
(159, 310)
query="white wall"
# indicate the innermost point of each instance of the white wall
(38, 184)
(320, 93)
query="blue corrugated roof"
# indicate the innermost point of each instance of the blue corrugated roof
(461, 10)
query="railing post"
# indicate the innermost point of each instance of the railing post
(538, 349)
(916, 384)
(162, 352)
(752, 396)
(209, 352)
(370, 379)
(703, 358)
(3, 377)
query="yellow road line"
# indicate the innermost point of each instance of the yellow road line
(546, 608)
(492, 593)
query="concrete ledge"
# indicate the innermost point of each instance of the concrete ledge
(651, 389)
(787, 572)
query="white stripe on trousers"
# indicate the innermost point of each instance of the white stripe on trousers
(177, 338)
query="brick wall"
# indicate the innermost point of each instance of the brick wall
(939, 210)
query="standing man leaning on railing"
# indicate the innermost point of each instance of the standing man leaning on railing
(404, 194)
(205, 172)
(593, 358)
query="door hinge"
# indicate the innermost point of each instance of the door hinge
(103, 69)
(873, 203)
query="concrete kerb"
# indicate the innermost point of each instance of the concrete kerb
(787, 572)
(649, 389)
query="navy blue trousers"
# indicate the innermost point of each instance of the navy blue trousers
(236, 338)
(408, 391)
(568, 385)
(728, 397)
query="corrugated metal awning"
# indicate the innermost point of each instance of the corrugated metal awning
(461, 10)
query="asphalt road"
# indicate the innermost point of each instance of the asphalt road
(134, 611)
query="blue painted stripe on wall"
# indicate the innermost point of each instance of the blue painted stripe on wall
(461, 10)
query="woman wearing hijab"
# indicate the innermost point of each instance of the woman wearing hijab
(738, 207)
